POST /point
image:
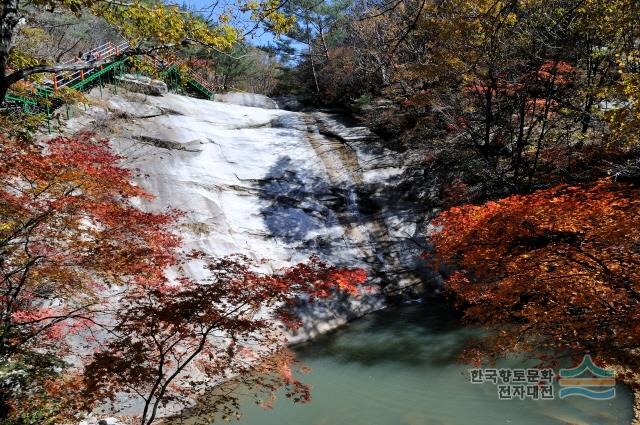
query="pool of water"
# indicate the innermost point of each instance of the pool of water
(398, 367)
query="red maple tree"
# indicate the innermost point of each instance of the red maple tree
(69, 232)
(554, 271)
(84, 273)
(172, 344)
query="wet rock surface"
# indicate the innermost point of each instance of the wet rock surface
(274, 184)
(289, 103)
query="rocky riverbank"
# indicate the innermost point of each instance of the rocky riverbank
(271, 184)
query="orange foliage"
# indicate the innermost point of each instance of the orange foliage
(555, 270)
(68, 231)
(78, 256)
(558, 72)
(174, 344)
(540, 107)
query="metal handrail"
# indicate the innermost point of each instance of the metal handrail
(79, 79)
(204, 86)
(104, 51)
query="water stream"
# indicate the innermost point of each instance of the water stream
(268, 184)
(398, 367)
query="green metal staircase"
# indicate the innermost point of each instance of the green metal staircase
(171, 73)
(47, 95)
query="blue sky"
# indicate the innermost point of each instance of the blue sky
(259, 37)
(211, 9)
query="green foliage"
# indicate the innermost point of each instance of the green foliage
(248, 68)
(147, 25)
(23, 389)
(158, 24)
(22, 126)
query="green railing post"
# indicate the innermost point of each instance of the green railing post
(48, 120)
(171, 74)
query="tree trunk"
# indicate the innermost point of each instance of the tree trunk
(8, 24)
(4, 87)
(384, 75)
(313, 65)
(322, 39)
(313, 69)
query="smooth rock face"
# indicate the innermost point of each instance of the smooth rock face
(247, 99)
(270, 184)
(143, 84)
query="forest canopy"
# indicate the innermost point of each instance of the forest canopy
(516, 125)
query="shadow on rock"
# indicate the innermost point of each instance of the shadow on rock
(299, 206)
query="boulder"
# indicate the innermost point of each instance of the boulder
(143, 84)
(247, 99)
(289, 103)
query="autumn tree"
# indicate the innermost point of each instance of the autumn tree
(491, 91)
(509, 79)
(622, 104)
(553, 272)
(69, 234)
(85, 270)
(147, 26)
(174, 344)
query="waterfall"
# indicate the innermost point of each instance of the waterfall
(269, 184)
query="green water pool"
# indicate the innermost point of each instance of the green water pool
(398, 367)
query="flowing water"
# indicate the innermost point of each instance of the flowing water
(250, 185)
(398, 367)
